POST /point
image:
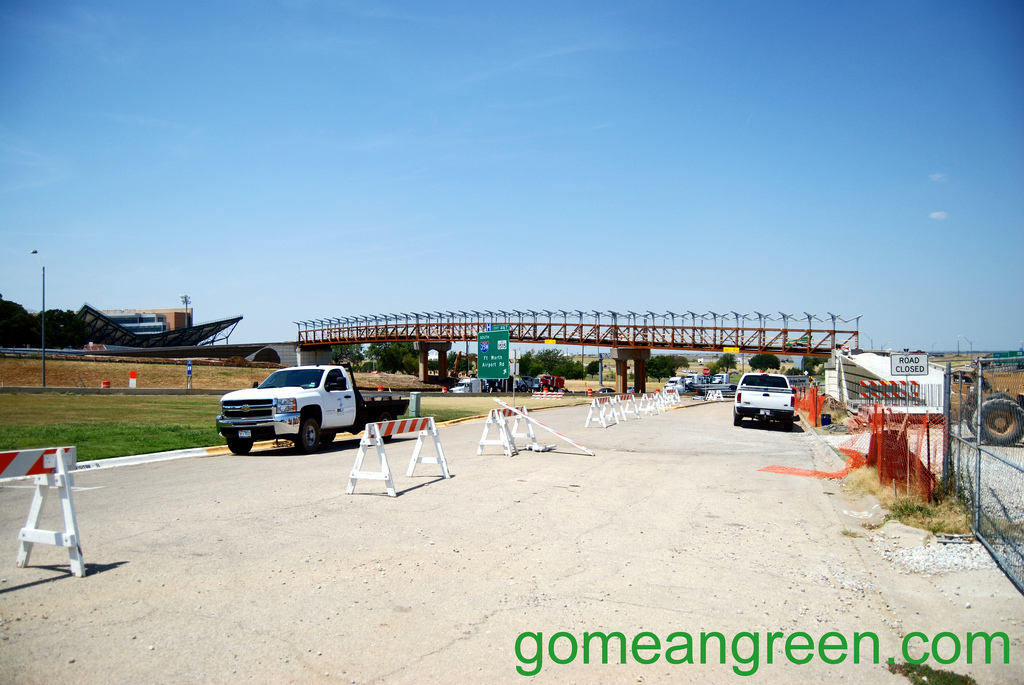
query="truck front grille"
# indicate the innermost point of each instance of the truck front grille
(248, 409)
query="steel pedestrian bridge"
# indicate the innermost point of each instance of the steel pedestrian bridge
(646, 331)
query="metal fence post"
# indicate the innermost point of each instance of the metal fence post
(947, 389)
(977, 443)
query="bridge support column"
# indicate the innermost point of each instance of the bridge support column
(622, 357)
(424, 348)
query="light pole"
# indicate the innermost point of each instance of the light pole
(42, 317)
(186, 301)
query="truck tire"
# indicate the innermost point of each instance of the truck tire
(308, 439)
(736, 419)
(239, 446)
(1002, 422)
(788, 424)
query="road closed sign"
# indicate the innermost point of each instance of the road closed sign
(909, 363)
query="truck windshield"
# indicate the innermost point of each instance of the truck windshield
(766, 382)
(294, 378)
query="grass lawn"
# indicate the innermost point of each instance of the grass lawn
(103, 426)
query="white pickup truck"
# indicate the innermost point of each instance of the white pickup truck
(308, 405)
(765, 397)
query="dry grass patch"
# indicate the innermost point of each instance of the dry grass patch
(947, 515)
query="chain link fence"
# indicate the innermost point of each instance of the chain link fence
(986, 456)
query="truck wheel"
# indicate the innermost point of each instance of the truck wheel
(239, 446)
(736, 419)
(1002, 422)
(788, 425)
(309, 436)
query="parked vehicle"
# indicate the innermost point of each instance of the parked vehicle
(524, 384)
(765, 397)
(548, 382)
(467, 385)
(308, 405)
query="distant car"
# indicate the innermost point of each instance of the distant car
(632, 389)
(605, 391)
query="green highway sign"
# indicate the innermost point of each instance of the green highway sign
(1008, 355)
(492, 354)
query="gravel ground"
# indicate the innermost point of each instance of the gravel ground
(934, 558)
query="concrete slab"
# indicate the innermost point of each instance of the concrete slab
(260, 568)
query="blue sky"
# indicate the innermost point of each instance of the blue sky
(294, 160)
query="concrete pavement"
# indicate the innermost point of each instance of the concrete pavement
(261, 569)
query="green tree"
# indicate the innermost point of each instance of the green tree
(570, 368)
(65, 329)
(682, 362)
(661, 366)
(594, 368)
(18, 328)
(726, 361)
(763, 362)
(812, 364)
(394, 357)
(353, 354)
(549, 359)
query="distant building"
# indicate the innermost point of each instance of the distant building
(152, 327)
(150, 321)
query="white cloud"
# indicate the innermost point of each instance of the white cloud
(938, 215)
(937, 177)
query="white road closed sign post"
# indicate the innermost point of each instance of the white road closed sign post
(909, 363)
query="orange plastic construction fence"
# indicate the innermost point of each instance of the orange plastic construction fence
(809, 403)
(906, 448)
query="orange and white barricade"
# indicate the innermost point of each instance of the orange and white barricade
(52, 468)
(628, 405)
(652, 403)
(672, 398)
(374, 436)
(507, 435)
(602, 409)
(548, 395)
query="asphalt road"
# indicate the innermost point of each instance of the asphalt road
(261, 569)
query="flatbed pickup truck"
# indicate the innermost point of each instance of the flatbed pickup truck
(308, 405)
(765, 397)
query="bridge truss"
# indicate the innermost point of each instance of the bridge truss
(795, 336)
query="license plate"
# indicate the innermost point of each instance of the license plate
(764, 412)
(245, 433)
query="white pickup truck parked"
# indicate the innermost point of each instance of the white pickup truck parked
(765, 397)
(308, 405)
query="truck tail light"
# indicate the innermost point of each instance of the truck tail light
(739, 397)
(792, 400)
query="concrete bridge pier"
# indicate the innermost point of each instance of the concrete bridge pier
(423, 348)
(622, 356)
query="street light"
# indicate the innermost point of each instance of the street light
(186, 301)
(42, 317)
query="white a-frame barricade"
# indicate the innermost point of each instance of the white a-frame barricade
(627, 405)
(714, 395)
(650, 404)
(374, 437)
(602, 409)
(506, 434)
(52, 468)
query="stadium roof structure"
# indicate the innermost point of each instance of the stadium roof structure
(104, 330)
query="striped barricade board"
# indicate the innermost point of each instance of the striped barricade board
(52, 467)
(602, 409)
(499, 419)
(374, 436)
